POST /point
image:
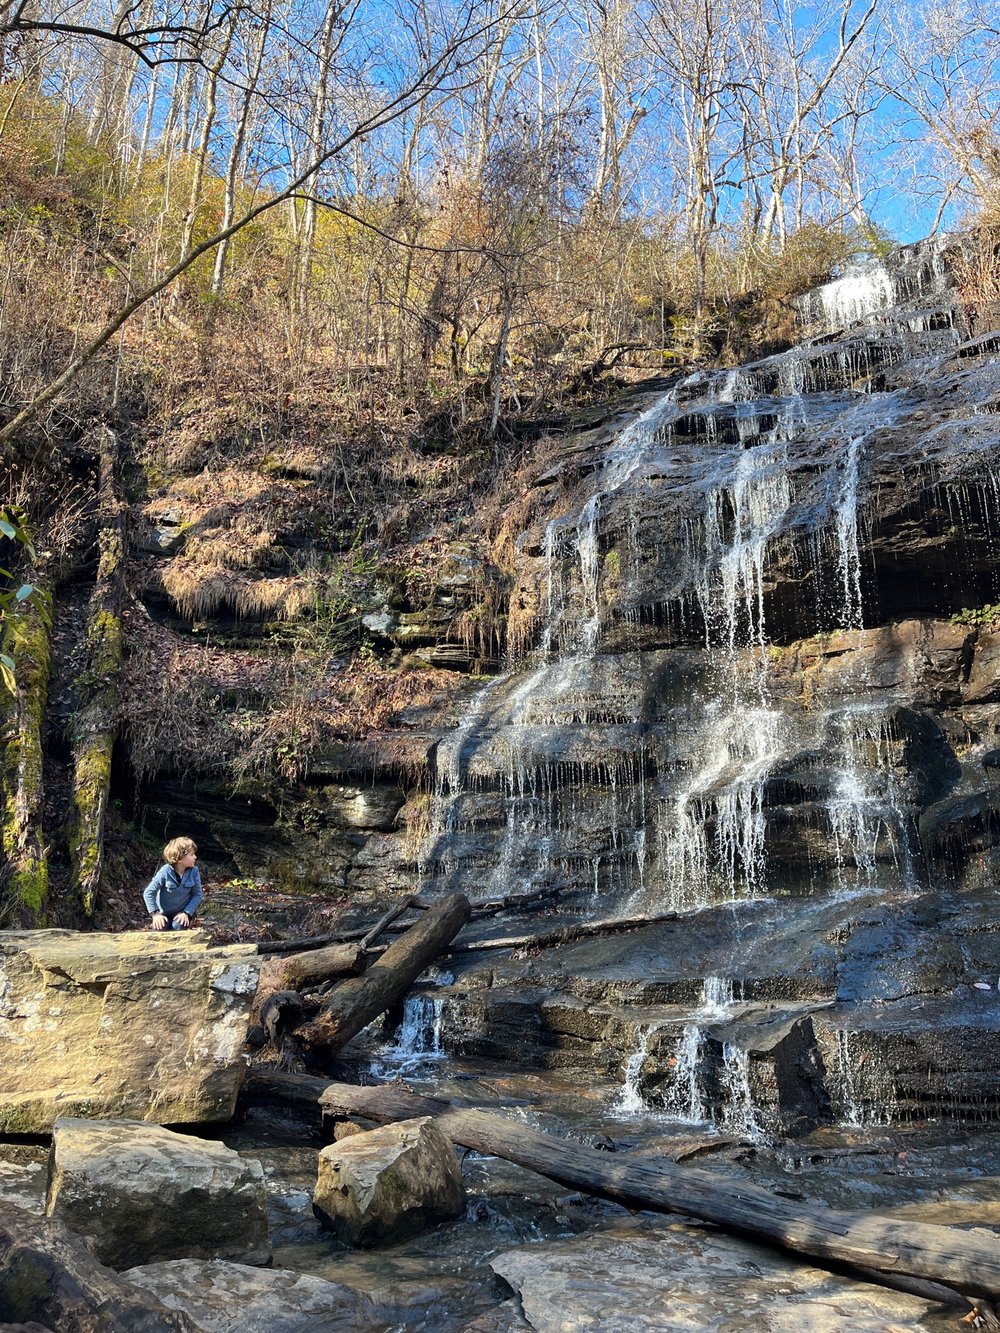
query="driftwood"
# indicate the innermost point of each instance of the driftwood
(354, 1003)
(880, 1246)
(365, 934)
(299, 971)
(612, 925)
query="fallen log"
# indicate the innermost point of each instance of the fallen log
(364, 934)
(354, 1003)
(299, 971)
(967, 1262)
(611, 925)
(386, 921)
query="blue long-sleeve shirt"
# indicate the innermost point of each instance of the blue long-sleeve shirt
(171, 893)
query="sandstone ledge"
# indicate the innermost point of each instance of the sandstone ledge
(135, 1026)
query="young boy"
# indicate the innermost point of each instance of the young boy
(174, 892)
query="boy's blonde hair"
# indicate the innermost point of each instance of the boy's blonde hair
(177, 848)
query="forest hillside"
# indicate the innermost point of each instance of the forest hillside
(294, 300)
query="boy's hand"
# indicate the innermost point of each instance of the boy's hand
(159, 921)
(183, 920)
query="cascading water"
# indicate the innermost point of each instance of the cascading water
(416, 1042)
(716, 713)
(580, 776)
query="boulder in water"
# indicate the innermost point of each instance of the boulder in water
(383, 1185)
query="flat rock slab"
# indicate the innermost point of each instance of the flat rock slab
(675, 1278)
(232, 1298)
(141, 1025)
(145, 1194)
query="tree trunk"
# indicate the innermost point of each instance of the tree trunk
(968, 1262)
(95, 726)
(29, 625)
(354, 1003)
(563, 934)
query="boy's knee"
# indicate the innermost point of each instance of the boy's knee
(178, 925)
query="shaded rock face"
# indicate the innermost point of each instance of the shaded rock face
(144, 1194)
(138, 1025)
(50, 1279)
(378, 1187)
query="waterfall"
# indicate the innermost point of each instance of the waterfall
(417, 1040)
(630, 1100)
(684, 1099)
(866, 1090)
(564, 769)
(850, 299)
(849, 559)
(739, 1114)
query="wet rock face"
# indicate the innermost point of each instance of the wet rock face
(679, 1278)
(759, 668)
(144, 1194)
(138, 1025)
(232, 1298)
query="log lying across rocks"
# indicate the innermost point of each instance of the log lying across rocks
(354, 1003)
(299, 971)
(967, 1262)
(578, 930)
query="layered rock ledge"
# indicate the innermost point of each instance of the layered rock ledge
(134, 1026)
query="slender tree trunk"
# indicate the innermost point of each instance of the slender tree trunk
(236, 155)
(28, 643)
(317, 125)
(499, 357)
(95, 726)
(204, 142)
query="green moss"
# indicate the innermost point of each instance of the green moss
(94, 731)
(27, 642)
(91, 783)
(30, 885)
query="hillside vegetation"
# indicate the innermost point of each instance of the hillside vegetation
(289, 302)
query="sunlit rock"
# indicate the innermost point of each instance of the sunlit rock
(233, 1298)
(143, 1025)
(380, 1186)
(661, 1277)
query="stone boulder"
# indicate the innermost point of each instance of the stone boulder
(378, 1187)
(145, 1194)
(50, 1279)
(140, 1025)
(231, 1298)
